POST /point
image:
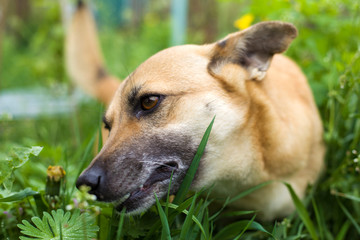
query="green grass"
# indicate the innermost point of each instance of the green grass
(328, 51)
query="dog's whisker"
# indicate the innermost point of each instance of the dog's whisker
(157, 163)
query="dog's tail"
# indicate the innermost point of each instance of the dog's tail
(84, 60)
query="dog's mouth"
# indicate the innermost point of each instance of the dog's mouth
(142, 197)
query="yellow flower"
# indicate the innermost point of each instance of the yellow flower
(55, 173)
(244, 22)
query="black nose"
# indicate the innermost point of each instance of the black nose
(92, 177)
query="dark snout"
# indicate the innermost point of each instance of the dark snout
(95, 178)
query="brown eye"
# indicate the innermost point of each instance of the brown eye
(149, 102)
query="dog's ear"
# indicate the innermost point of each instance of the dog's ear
(252, 48)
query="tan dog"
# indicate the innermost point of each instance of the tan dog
(267, 126)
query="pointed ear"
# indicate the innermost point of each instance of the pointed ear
(252, 48)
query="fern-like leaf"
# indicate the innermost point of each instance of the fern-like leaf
(60, 226)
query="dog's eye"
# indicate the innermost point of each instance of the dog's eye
(106, 124)
(149, 102)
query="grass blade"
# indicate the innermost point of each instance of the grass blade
(203, 206)
(302, 212)
(206, 225)
(231, 230)
(165, 233)
(344, 195)
(187, 223)
(185, 185)
(347, 213)
(194, 219)
(168, 195)
(100, 143)
(110, 227)
(342, 233)
(246, 227)
(247, 192)
(237, 213)
(239, 196)
(318, 218)
(84, 160)
(121, 223)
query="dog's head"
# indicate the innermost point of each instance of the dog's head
(160, 113)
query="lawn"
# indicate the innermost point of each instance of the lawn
(327, 49)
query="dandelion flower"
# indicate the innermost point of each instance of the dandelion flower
(244, 22)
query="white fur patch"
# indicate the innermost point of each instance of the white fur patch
(257, 74)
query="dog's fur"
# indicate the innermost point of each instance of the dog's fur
(267, 126)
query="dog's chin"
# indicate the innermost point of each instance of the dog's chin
(141, 199)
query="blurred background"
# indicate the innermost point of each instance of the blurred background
(39, 105)
(33, 82)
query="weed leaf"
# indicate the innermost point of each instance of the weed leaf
(60, 226)
(19, 195)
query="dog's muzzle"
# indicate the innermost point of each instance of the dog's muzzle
(95, 178)
(131, 189)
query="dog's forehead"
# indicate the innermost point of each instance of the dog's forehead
(173, 69)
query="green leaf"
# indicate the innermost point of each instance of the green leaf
(19, 195)
(9, 181)
(40, 225)
(19, 156)
(60, 226)
(302, 212)
(23, 154)
(185, 185)
(6, 169)
(30, 230)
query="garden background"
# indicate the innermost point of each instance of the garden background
(45, 120)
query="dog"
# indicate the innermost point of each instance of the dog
(267, 125)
